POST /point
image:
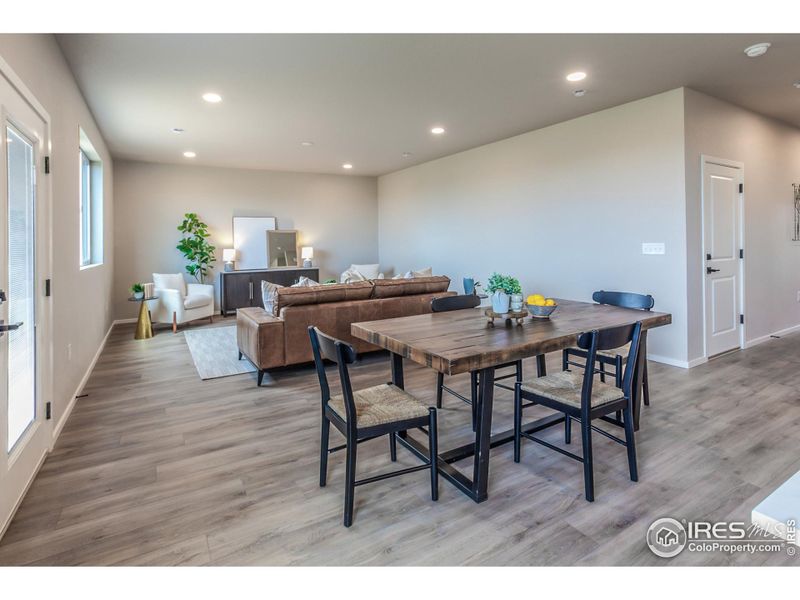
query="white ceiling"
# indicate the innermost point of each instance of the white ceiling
(367, 99)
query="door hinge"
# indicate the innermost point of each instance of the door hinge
(47, 165)
(741, 319)
(48, 412)
(741, 252)
(47, 288)
(741, 188)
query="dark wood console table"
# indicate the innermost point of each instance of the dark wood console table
(240, 289)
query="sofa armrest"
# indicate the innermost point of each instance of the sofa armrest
(260, 337)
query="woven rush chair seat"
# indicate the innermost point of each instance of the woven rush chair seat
(622, 351)
(379, 405)
(566, 387)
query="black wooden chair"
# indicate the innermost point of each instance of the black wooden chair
(365, 415)
(449, 303)
(616, 356)
(583, 399)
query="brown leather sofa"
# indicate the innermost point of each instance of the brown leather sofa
(279, 339)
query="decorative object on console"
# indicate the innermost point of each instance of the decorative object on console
(282, 248)
(229, 256)
(501, 287)
(248, 239)
(307, 254)
(137, 289)
(195, 247)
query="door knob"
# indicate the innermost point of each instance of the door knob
(709, 270)
(11, 326)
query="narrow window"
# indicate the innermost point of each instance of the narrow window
(91, 204)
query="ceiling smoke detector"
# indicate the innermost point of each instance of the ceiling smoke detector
(757, 50)
(796, 84)
(579, 93)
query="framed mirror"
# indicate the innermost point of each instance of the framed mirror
(282, 248)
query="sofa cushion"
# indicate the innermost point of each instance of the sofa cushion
(170, 281)
(269, 296)
(390, 288)
(322, 294)
(197, 300)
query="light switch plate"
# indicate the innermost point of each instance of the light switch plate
(653, 248)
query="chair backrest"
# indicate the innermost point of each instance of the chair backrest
(624, 299)
(608, 339)
(326, 347)
(170, 281)
(448, 303)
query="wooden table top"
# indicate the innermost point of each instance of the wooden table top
(461, 341)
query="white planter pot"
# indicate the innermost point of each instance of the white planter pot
(500, 302)
(516, 302)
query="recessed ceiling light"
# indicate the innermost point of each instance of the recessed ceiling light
(576, 76)
(406, 155)
(796, 84)
(757, 50)
(579, 93)
(347, 166)
(306, 144)
(212, 97)
(189, 154)
(437, 130)
(178, 130)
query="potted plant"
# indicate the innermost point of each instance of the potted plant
(137, 289)
(195, 247)
(502, 288)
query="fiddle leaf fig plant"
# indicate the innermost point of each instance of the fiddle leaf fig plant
(195, 247)
(505, 283)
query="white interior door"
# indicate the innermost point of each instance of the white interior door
(24, 432)
(722, 241)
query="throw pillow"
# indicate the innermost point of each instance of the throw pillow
(351, 276)
(269, 295)
(305, 282)
(367, 271)
(426, 272)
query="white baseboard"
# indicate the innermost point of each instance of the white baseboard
(766, 338)
(674, 362)
(68, 411)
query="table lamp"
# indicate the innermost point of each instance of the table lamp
(307, 253)
(229, 257)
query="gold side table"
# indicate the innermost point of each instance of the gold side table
(144, 328)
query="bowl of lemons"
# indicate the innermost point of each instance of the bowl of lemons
(540, 307)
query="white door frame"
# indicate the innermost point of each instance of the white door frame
(733, 164)
(43, 266)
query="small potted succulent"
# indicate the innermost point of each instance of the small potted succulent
(502, 289)
(137, 289)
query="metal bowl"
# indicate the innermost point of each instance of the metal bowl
(541, 312)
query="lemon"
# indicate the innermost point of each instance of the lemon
(536, 300)
(549, 302)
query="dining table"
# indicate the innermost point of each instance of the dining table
(464, 341)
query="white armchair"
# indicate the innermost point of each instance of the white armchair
(178, 302)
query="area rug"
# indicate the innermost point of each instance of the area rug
(215, 352)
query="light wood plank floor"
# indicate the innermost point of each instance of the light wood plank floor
(157, 467)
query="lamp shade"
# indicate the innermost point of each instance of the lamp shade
(307, 252)
(229, 254)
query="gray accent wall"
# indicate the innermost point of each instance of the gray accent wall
(565, 208)
(336, 214)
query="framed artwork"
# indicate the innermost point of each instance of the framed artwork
(248, 240)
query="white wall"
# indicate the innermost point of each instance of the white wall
(336, 214)
(565, 209)
(770, 151)
(81, 299)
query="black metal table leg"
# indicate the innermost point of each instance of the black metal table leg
(638, 373)
(483, 435)
(397, 371)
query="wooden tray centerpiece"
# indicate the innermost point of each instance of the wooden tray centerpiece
(519, 316)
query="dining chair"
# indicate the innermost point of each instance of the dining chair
(364, 415)
(449, 303)
(616, 356)
(583, 399)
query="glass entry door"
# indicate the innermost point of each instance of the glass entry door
(25, 433)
